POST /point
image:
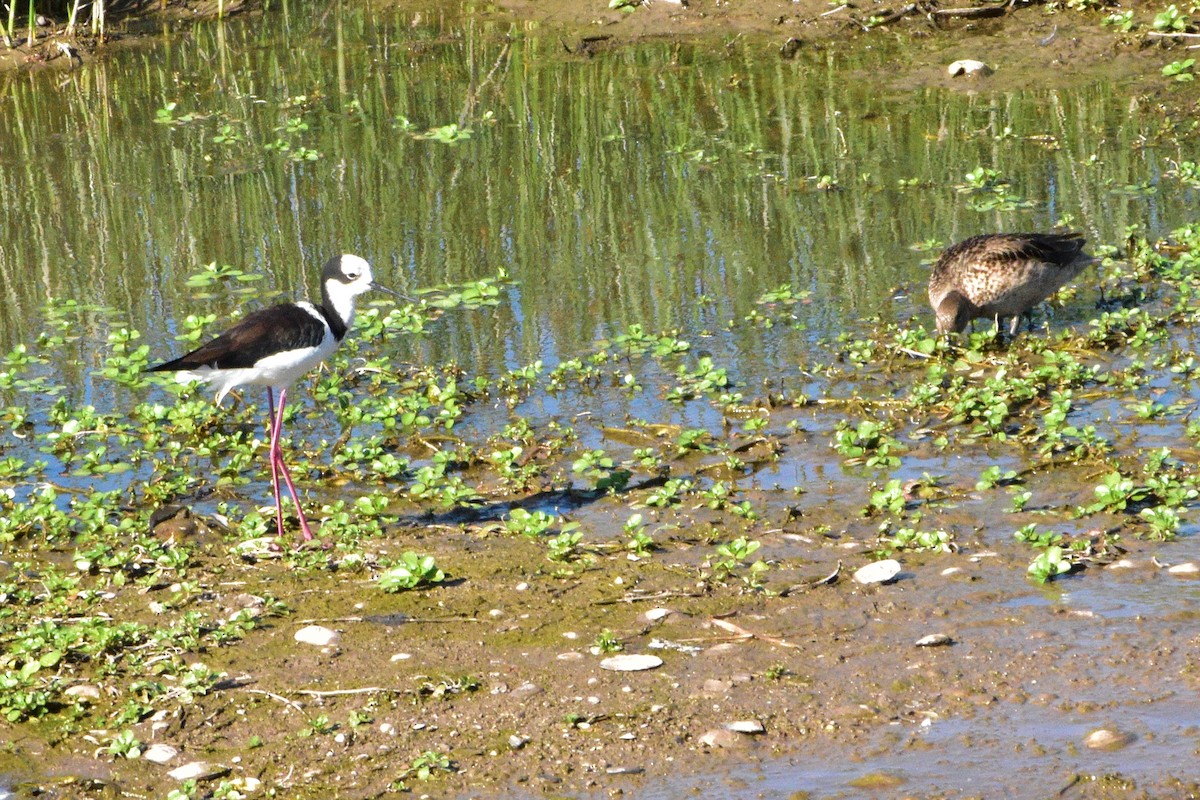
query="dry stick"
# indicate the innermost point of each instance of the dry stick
(280, 698)
(970, 12)
(341, 692)
(428, 620)
(1162, 35)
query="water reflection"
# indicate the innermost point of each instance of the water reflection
(665, 185)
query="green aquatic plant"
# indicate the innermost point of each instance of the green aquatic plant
(411, 571)
(1180, 70)
(1115, 493)
(890, 499)
(565, 546)
(995, 476)
(670, 493)
(1171, 20)
(989, 190)
(125, 745)
(320, 725)
(607, 642)
(868, 443)
(529, 523)
(427, 766)
(1164, 522)
(732, 555)
(915, 540)
(639, 544)
(446, 134)
(1049, 564)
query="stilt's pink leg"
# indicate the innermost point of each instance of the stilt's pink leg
(274, 430)
(277, 460)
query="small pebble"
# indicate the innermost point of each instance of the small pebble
(969, 67)
(527, 688)
(934, 640)
(719, 737)
(84, 693)
(195, 770)
(878, 571)
(1186, 568)
(517, 742)
(401, 657)
(159, 753)
(522, 586)
(318, 636)
(631, 663)
(747, 726)
(1105, 739)
(658, 614)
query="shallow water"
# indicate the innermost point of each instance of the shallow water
(666, 185)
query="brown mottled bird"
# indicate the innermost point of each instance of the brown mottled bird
(998, 275)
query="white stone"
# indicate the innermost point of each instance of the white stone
(194, 770)
(969, 67)
(160, 753)
(1104, 739)
(657, 614)
(748, 726)
(1186, 568)
(631, 663)
(934, 640)
(878, 571)
(84, 692)
(318, 635)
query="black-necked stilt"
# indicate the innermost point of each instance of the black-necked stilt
(1002, 275)
(275, 346)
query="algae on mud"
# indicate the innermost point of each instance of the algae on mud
(749, 382)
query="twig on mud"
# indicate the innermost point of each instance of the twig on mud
(637, 598)
(425, 620)
(914, 353)
(742, 633)
(280, 698)
(969, 13)
(828, 580)
(341, 692)
(833, 11)
(1164, 35)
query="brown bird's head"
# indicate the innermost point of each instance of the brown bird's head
(954, 312)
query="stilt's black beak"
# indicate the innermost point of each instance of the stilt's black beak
(393, 293)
